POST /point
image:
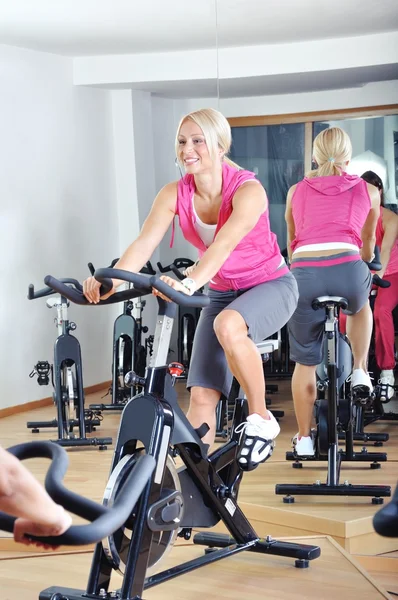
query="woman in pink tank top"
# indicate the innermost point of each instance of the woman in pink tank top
(331, 219)
(386, 298)
(223, 212)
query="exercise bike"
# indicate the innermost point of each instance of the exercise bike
(129, 352)
(67, 381)
(336, 410)
(200, 494)
(226, 406)
(188, 316)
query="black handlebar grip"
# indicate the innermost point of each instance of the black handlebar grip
(382, 283)
(177, 272)
(183, 263)
(147, 283)
(375, 265)
(74, 294)
(163, 269)
(104, 520)
(148, 269)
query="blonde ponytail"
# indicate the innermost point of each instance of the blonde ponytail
(332, 150)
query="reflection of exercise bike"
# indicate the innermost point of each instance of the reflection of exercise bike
(129, 353)
(200, 494)
(67, 380)
(377, 410)
(336, 409)
(226, 406)
(188, 316)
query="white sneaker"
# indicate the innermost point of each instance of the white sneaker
(256, 440)
(304, 446)
(387, 381)
(361, 379)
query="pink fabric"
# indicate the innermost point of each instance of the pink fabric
(392, 266)
(255, 259)
(386, 301)
(325, 262)
(330, 209)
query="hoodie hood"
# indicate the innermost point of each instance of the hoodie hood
(333, 184)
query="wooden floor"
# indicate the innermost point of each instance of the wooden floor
(347, 520)
(244, 576)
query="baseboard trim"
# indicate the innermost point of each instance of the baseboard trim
(21, 408)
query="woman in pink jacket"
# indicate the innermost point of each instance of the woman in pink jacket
(223, 212)
(331, 219)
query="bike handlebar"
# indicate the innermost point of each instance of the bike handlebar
(142, 285)
(147, 270)
(382, 283)
(375, 265)
(196, 300)
(104, 520)
(47, 291)
(178, 263)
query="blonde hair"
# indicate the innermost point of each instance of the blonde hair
(332, 149)
(216, 130)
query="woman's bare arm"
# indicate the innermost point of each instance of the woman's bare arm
(291, 229)
(368, 233)
(390, 237)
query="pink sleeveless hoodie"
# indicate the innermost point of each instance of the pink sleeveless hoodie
(330, 209)
(255, 259)
(392, 266)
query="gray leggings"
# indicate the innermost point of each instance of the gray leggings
(351, 280)
(265, 308)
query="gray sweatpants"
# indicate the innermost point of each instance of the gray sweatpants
(265, 308)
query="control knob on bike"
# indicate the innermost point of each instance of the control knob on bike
(132, 379)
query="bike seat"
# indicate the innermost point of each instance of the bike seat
(323, 301)
(268, 346)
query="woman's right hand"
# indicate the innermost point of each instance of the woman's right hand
(23, 528)
(91, 288)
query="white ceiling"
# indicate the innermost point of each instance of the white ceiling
(101, 27)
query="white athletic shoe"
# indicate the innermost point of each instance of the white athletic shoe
(361, 379)
(256, 440)
(387, 381)
(304, 446)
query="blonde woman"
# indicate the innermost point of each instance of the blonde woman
(223, 212)
(331, 219)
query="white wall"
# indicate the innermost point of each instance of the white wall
(166, 114)
(390, 125)
(58, 212)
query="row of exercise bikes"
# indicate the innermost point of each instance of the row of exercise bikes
(148, 503)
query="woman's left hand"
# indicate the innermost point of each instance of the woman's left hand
(177, 285)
